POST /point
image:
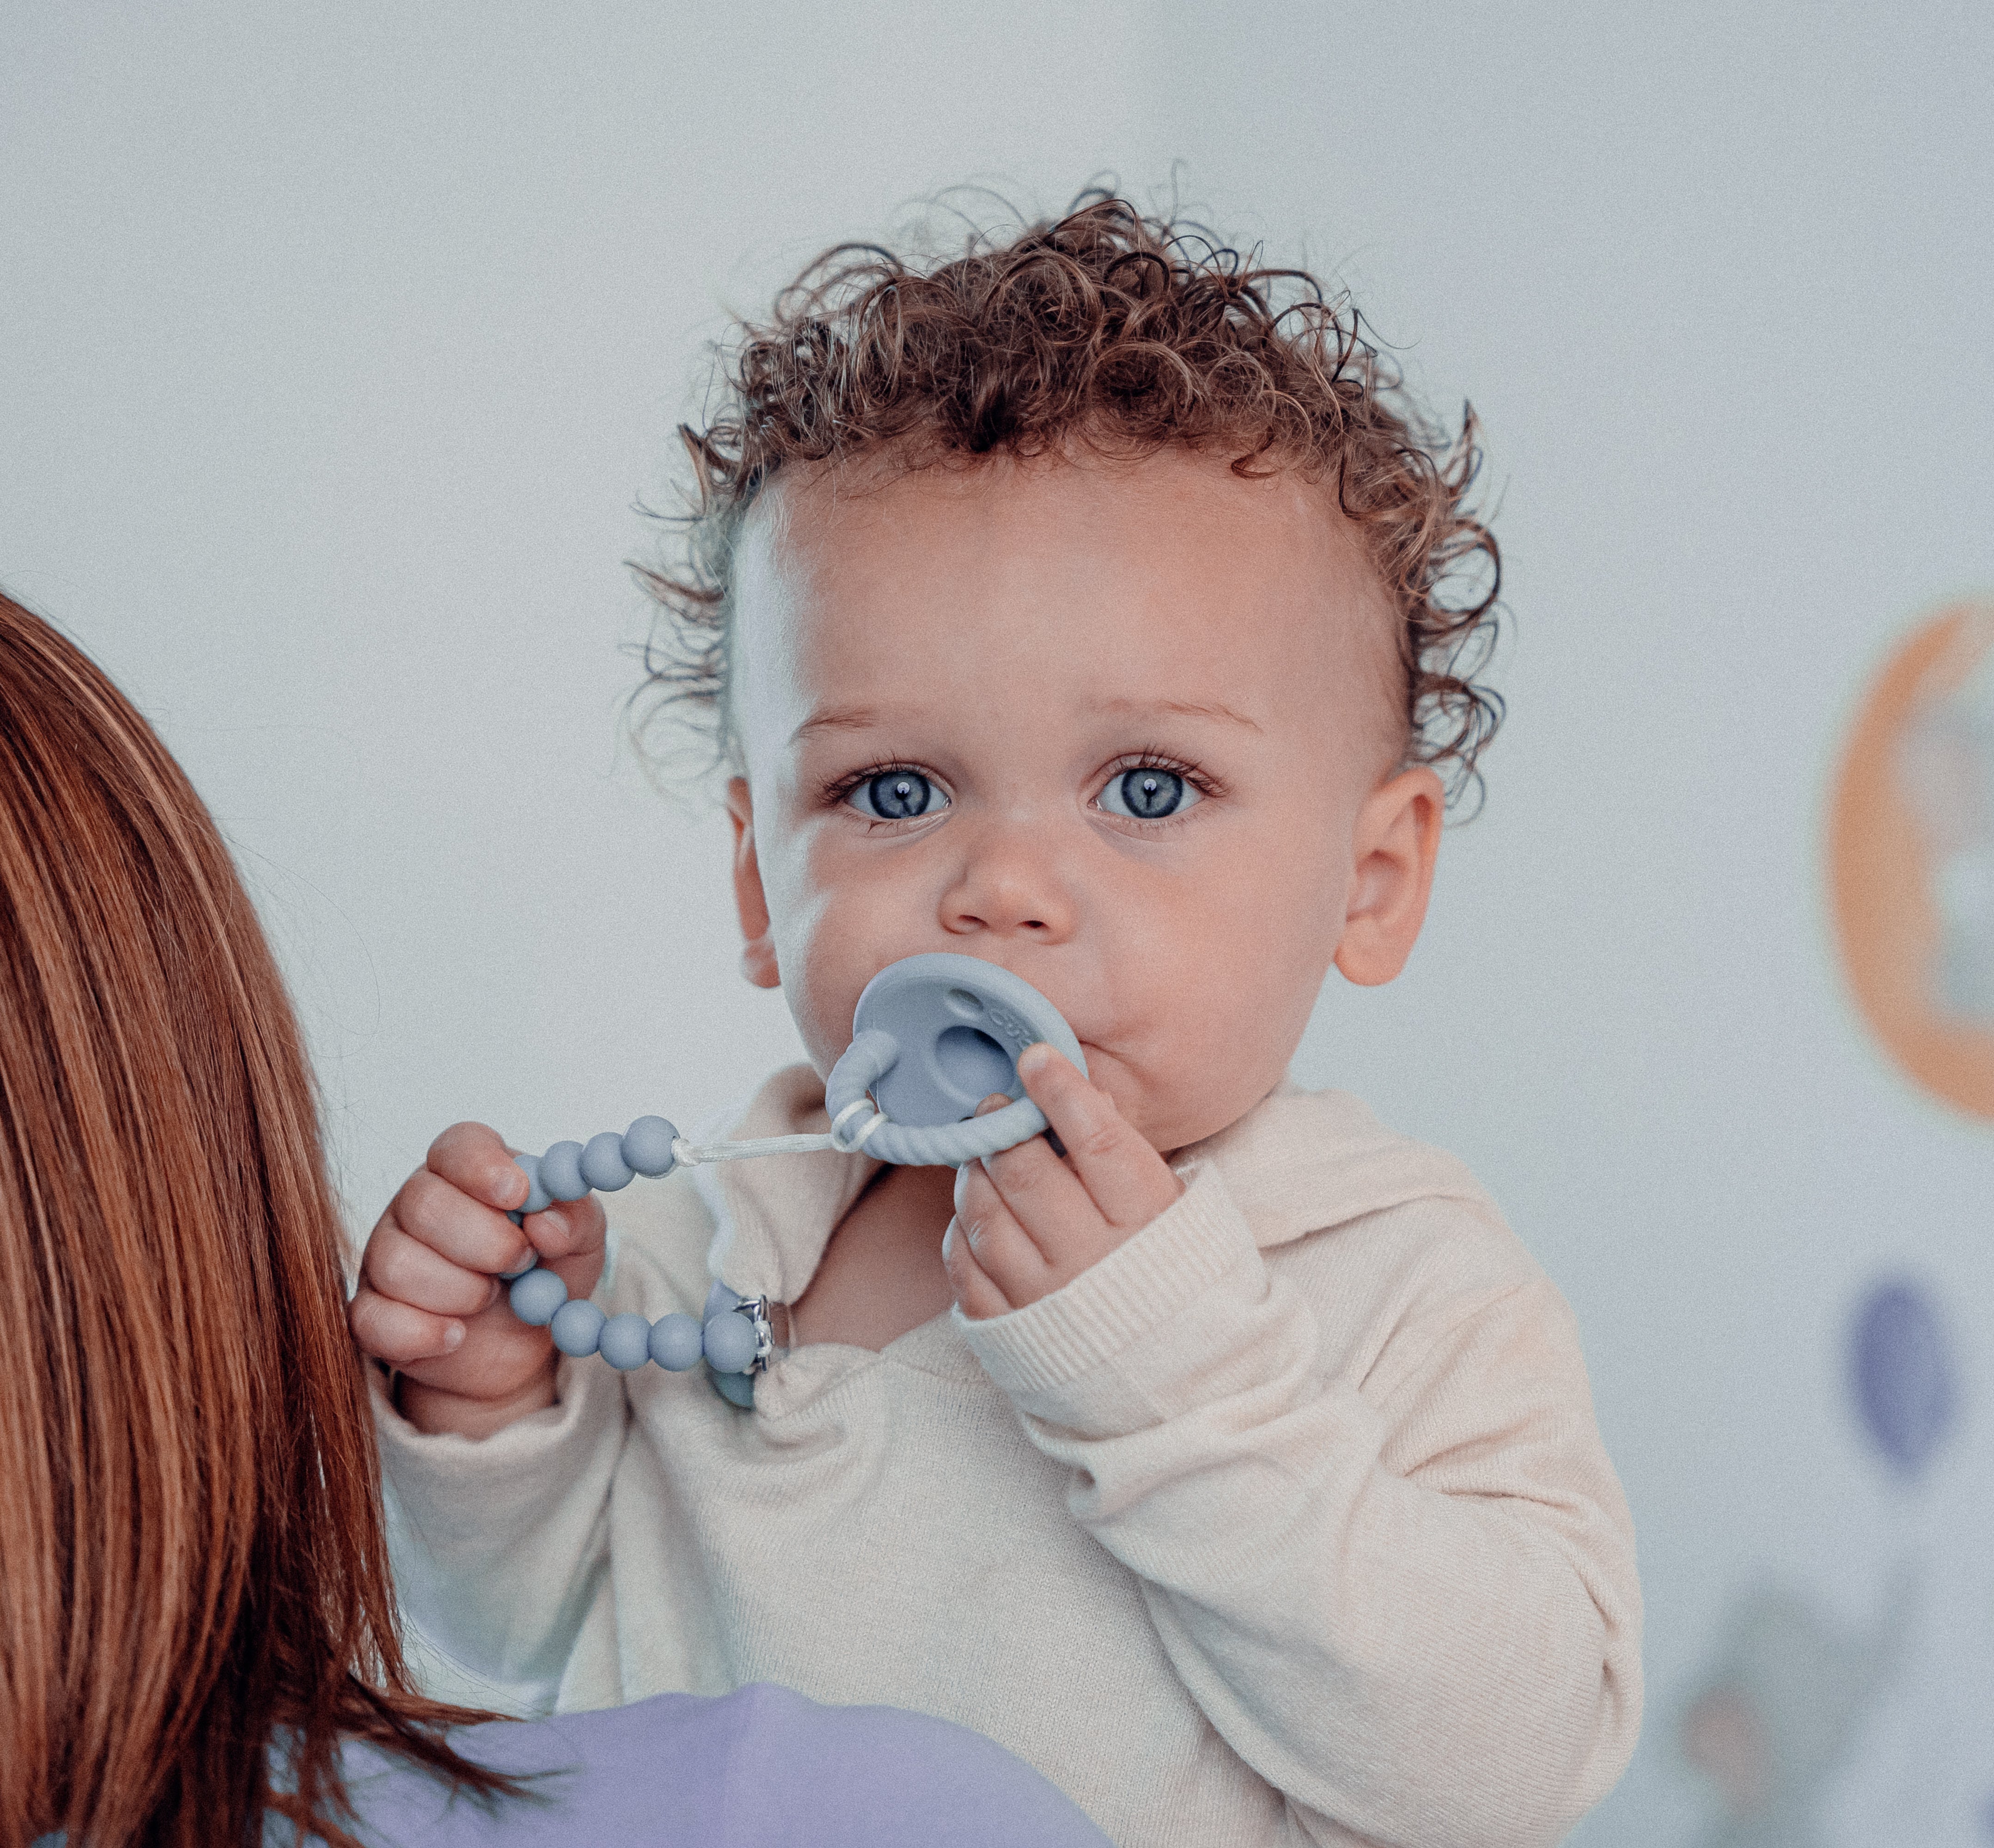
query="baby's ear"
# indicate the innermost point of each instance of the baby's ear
(758, 945)
(1392, 849)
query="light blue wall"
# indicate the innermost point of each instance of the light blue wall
(335, 344)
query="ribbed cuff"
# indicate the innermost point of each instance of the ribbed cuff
(1166, 1268)
(446, 1482)
(494, 1541)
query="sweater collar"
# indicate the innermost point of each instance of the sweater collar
(1298, 1162)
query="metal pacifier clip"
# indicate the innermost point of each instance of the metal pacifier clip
(931, 1037)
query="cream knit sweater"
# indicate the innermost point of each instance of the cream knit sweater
(1288, 1522)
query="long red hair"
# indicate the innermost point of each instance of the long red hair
(192, 1565)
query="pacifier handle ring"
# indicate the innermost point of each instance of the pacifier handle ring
(957, 1144)
(952, 1144)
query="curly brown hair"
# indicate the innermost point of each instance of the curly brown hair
(1122, 334)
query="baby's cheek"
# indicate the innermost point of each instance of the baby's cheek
(1226, 1047)
(826, 1029)
(828, 969)
(806, 987)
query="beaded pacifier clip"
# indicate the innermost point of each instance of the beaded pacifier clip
(931, 1037)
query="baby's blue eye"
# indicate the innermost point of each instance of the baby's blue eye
(897, 795)
(1148, 793)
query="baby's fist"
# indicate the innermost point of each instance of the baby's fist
(430, 1304)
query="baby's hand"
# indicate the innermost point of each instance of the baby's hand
(1025, 1222)
(430, 1304)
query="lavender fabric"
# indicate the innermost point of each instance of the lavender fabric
(763, 1767)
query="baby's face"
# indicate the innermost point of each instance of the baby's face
(1125, 730)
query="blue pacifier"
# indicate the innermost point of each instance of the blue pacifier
(931, 1037)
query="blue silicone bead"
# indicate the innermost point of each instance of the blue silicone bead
(647, 1146)
(729, 1342)
(538, 1198)
(602, 1165)
(625, 1341)
(561, 1171)
(577, 1328)
(736, 1388)
(536, 1296)
(675, 1342)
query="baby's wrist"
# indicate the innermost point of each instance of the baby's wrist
(435, 1410)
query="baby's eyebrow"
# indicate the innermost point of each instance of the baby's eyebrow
(839, 718)
(862, 718)
(1189, 709)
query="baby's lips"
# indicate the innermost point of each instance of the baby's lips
(1087, 1051)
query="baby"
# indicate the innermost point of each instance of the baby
(1069, 606)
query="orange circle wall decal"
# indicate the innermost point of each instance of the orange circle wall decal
(1911, 856)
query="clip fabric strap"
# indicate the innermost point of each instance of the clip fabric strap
(697, 1155)
(688, 1153)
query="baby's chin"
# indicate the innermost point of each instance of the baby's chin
(1172, 1114)
(1185, 1128)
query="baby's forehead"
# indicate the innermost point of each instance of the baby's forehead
(1066, 607)
(1177, 528)
(1137, 584)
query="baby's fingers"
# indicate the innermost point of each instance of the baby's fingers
(413, 1270)
(570, 1229)
(978, 1298)
(473, 1159)
(434, 1212)
(399, 1333)
(1004, 1252)
(1128, 1181)
(458, 1201)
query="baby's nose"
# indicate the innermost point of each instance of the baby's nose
(1009, 884)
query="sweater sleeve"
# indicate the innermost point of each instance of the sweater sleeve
(500, 1544)
(1388, 1557)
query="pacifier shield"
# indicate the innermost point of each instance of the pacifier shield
(960, 1024)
